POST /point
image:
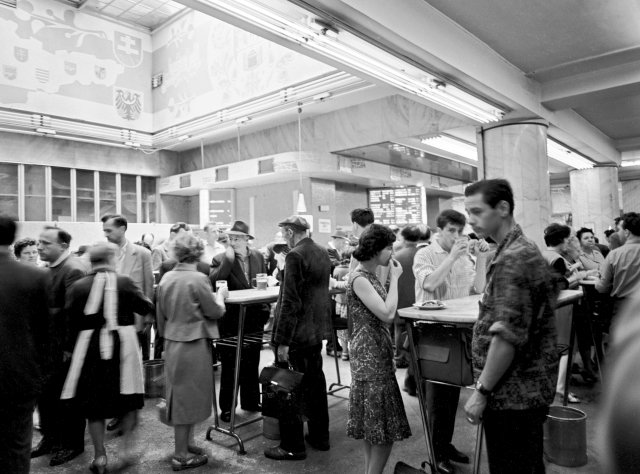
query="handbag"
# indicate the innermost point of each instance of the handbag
(281, 394)
(444, 353)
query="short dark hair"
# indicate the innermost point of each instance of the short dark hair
(411, 233)
(20, 245)
(425, 232)
(493, 191)
(631, 222)
(8, 229)
(584, 230)
(118, 219)
(555, 234)
(63, 236)
(449, 216)
(608, 232)
(372, 241)
(617, 220)
(179, 225)
(362, 217)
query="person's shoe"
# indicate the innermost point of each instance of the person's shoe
(114, 424)
(456, 456)
(279, 454)
(180, 464)
(445, 467)
(319, 445)
(332, 353)
(64, 455)
(99, 465)
(225, 416)
(44, 447)
(257, 407)
(571, 397)
(588, 376)
(409, 385)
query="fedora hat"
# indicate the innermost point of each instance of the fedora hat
(239, 228)
(340, 234)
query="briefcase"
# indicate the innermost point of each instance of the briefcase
(444, 353)
(280, 391)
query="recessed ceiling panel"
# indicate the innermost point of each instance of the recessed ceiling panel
(146, 13)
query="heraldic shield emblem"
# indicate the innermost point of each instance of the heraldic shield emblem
(21, 54)
(128, 103)
(127, 49)
(10, 72)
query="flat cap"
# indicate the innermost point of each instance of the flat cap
(295, 221)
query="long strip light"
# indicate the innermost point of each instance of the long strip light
(452, 145)
(626, 164)
(366, 58)
(570, 158)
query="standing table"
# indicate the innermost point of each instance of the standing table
(461, 312)
(243, 298)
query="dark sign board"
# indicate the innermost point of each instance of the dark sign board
(398, 206)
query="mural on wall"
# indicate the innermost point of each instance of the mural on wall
(208, 65)
(60, 61)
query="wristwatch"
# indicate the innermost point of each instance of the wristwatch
(482, 389)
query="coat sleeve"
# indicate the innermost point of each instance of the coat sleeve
(210, 308)
(221, 268)
(291, 310)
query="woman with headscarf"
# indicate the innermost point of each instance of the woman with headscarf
(105, 378)
(187, 310)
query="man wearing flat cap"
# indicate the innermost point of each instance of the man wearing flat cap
(238, 265)
(339, 248)
(303, 317)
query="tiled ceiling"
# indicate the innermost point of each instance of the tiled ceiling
(146, 13)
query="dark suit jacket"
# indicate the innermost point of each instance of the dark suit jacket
(303, 312)
(224, 269)
(25, 330)
(406, 282)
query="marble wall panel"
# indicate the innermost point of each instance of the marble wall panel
(594, 198)
(631, 196)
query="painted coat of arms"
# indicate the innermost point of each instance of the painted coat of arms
(10, 72)
(128, 103)
(127, 49)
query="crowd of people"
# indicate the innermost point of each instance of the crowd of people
(76, 331)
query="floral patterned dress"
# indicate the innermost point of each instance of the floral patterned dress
(376, 410)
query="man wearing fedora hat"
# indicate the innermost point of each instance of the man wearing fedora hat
(303, 317)
(338, 248)
(238, 265)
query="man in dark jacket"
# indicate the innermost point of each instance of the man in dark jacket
(62, 427)
(24, 353)
(238, 265)
(303, 317)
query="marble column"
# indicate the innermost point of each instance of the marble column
(517, 152)
(594, 198)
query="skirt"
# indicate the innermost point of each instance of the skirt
(189, 381)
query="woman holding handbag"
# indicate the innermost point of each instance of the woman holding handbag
(376, 411)
(186, 312)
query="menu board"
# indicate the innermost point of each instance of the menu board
(398, 206)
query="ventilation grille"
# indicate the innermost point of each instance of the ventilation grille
(9, 3)
(222, 174)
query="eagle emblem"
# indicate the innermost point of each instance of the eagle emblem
(128, 103)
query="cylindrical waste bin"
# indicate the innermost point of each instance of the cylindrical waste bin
(270, 427)
(565, 436)
(153, 378)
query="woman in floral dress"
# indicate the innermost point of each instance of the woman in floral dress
(376, 411)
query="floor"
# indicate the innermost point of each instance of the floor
(154, 444)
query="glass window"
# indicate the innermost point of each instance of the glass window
(34, 193)
(60, 194)
(9, 189)
(148, 200)
(107, 193)
(85, 196)
(129, 197)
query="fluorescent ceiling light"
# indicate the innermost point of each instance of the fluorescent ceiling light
(353, 52)
(46, 131)
(132, 144)
(570, 158)
(242, 120)
(453, 145)
(184, 137)
(625, 164)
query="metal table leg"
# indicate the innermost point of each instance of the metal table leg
(339, 386)
(420, 386)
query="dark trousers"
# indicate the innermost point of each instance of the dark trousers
(143, 339)
(514, 440)
(61, 422)
(15, 435)
(248, 384)
(314, 400)
(442, 404)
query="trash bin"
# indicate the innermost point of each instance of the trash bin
(153, 378)
(270, 428)
(565, 436)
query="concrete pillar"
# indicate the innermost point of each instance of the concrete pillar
(517, 152)
(203, 214)
(594, 198)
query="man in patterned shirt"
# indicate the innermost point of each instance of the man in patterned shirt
(514, 339)
(445, 270)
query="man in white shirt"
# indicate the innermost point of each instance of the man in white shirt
(213, 247)
(445, 270)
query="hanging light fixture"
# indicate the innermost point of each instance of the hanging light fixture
(302, 206)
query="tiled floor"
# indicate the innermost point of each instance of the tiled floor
(154, 445)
